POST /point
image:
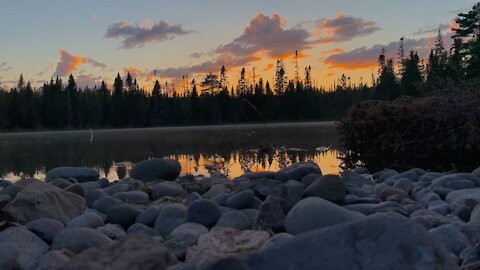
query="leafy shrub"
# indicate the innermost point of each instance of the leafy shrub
(438, 132)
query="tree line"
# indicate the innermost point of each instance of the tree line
(56, 105)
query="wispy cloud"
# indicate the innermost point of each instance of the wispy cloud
(343, 28)
(4, 67)
(432, 28)
(133, 35)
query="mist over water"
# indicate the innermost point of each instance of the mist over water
(229, 150)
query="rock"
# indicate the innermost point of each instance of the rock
(276, 240)
(41, 200)
(123, 215)
(76, 189)
(61, 183)
(8, 255)
(87, 220)
(220, 199)
(234, 219)
(148, 216)
(459, 196)
(87, 186)
(258, 175)
(104, 204)
(214, 191)
(4, 200)
(329, 187)
(262, 188)
(298, 170)
(78, 173)
(112, 231)
(132, 196)
(315, 213)
(385, 175)
(132, 252)
(11, 190)
(270, 216)
(78, 239)
(425, 196)
(204, 212)
(468, 255)
(166, 189)
(117, 188)
(404, 184)
(460, 184)
(355, 179)
(94, 195)
(380, 241)
(55, 259)
(29, 246)
(139, 228)
(292, 192)
(475, 215)
(193, 230)
(240, 200)
(103, 182)
(308, 179)
(192, 197)
(171, 217)
(451, 238)
(364, 208)
(231, 263)
(45, 228)
(222, 242)
(153, 169)
(391, 191)
(439, 206)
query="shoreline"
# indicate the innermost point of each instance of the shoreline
(176, 128)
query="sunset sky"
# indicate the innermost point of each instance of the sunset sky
(96, 39)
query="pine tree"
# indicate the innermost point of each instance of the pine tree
(280, 79)
(308, 77)
(242, 85)
(412, 75)
(469, 33)
(223, 78)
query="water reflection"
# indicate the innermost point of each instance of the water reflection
(230, 150)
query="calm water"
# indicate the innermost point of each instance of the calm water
(230, 150)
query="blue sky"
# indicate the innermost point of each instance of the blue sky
(33, 34)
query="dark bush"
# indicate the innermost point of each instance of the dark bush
(438, 132)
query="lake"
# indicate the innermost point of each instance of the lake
(228, 149)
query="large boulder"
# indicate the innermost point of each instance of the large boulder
(298, 170)
(380, 241)
(124, 215)
(158, 168)
(132, 252)
(329, 187)
(315, 213)
(41, 200)
(78, 239)
(78, 173)
(29, 246)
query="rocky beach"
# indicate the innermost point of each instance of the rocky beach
(295, 218)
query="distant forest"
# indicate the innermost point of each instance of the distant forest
(56, 105)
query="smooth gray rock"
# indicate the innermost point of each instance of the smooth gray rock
(116, 188)
(132, 196)
(364, 208)
(87, 186)
(45, 228)
(78, 239)
(87, 220)
(94, 195)
(42, 200)
(77, 189)
(451, 238)
(270, 216)
(112, 231)
(460, 184)
(104, 204)
(123, 215)
(148, 216)
(329, 187)
(308, 179)
(171, 216)
(153, 169)
(166, 189)
(192, 197)
(439, 206)
(220, 199)
(315, 213)
(459, 196)
(189, 229)
(8, 256)
(214, 191)
(353, 178)
(204, 212)
(292, 192)
(78, 173)
(380, 241)
(276, 240)
(61, 183)
(184, 236)
(29, 246)
(298, 170)
(404, 184)
(241, 200)
(234, 219)
(139, 228)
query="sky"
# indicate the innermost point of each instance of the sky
(96, 39)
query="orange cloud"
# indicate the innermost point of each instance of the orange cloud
(68, 62)
(353, 64)
(333, 51)
(268, 67)
(454, 25)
